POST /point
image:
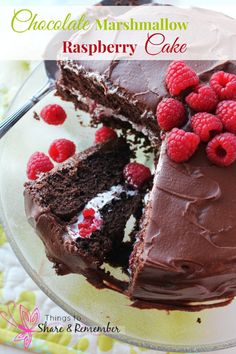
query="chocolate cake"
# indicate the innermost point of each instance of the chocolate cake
(80, 209)
(184, 255)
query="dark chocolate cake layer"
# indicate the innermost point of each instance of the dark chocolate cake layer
(66, 191)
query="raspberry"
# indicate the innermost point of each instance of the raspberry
(202, 99)
(53, 114)
(206, 125)
(84, 232)
(104, 133)
(170, 113)
(92, 228)
(224, 84)
(179, 77)
(87, 213)
(226, 111)
(90, 223)
(85, 224)
(181, 145)
(221, 150)
(38, 163)
(61, 149)
(136, 174)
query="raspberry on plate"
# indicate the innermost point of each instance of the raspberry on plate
(221, 150)
(170, 113)
(226, 111)
(181, 145)
(38, 163)
(61, 149)
(53, 114)
(202, 99)
(206, 125)
(179, 77)
(105, 133)
(136, 174)
(224, 84)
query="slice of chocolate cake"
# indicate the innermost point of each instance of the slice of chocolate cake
(80, 209)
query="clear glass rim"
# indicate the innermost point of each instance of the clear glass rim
(67, 308)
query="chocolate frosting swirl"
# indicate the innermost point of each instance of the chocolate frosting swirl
(189, 242)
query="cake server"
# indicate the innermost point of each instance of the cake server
(51, 70)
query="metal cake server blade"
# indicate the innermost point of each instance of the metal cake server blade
(51, 69)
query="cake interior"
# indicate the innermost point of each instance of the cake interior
(113, 209)
(57, 204)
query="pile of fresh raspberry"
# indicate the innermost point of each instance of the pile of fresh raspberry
(212, 117)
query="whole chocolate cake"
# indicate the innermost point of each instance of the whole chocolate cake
(184, 255)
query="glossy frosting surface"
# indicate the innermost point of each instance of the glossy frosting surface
(190, 233)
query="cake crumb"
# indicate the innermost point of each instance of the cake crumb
(199, 320)
(36, 115)
(81, 121)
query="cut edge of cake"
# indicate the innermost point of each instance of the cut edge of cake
(76, 241)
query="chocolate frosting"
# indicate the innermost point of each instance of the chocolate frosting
(63, 251)
(189, 234)
(144, 81)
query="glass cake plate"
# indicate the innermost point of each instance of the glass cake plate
(175, 331)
